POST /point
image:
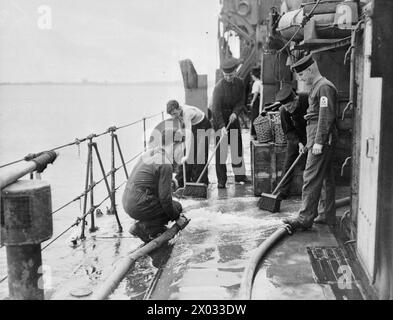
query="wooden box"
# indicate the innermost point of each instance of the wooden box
(267, 163)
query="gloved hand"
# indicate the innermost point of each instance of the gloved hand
(182, 221)
(317, 149)
(232, 117)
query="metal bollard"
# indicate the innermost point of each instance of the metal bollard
(26, 221)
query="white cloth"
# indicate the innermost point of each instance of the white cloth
(192, 114)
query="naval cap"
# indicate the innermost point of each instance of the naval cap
(303, 63)
(229, 65)
(286, 94)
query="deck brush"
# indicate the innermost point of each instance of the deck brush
(271, 202)
(198, 189)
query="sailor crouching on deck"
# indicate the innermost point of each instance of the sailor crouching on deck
(196, 129)
(147, 197)
(321, 138)
(228, 102)
(293, 109)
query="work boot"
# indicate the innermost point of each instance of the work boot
(322, 219)
(241, 179)
(137, 231)
(295, 223)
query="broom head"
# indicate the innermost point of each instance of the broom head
(269, 202)
(195, 190)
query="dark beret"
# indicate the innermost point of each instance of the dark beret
(303, 64)
(229, 65)
(286, 94)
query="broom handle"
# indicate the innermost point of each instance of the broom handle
(289, 171)
(184, 175)
(214, 152)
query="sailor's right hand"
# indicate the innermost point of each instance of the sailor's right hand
(182, 221)
(224, 131)
(301, 147)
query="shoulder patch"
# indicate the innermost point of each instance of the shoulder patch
(323, 103)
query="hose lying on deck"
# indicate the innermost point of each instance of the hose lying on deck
(256, 259)
(125, 264)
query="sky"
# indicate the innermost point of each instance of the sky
(112, 40)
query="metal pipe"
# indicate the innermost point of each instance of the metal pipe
(113, 174)
(93, 227)
(144, 133)
(123, 267)
(11, 174)
(121, 156)
(89, 161)
(107, 186)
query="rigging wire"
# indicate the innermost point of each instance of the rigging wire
(78, 141)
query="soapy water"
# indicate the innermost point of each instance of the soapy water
(207, 259)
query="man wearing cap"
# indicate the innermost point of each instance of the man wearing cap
(321, 138)
(293, 109)
(228, 101)
(147, 197)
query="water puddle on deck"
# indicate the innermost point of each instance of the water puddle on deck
(207, 259)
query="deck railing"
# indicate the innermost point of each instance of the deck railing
(90, 184)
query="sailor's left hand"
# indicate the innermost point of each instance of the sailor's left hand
(232, 117)
(317, 149)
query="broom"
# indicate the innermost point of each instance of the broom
(271, 202)
(197, 189)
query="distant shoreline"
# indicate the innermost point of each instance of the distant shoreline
(150, 83)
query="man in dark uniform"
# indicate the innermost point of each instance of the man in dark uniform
(228, 101)
(321, 138)
(293, 109)
(147, 197)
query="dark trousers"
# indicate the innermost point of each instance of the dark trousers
(291, 154)
(254, 115)
(200, 154)
(318, 169)
(145, 207)
(154, 223)
(234, 140)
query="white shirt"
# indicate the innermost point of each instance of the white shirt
(257, 87)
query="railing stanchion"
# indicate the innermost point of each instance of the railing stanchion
(89, 161)
(121, 155)
(110, 194)
(144, 133)
(113, 174)
(162, 115)
(93, 227)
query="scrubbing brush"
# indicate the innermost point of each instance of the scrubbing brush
(271, 202)
(197, 189)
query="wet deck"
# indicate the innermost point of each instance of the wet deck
(208, 258)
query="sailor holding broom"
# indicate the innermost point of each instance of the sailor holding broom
(321, 138)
